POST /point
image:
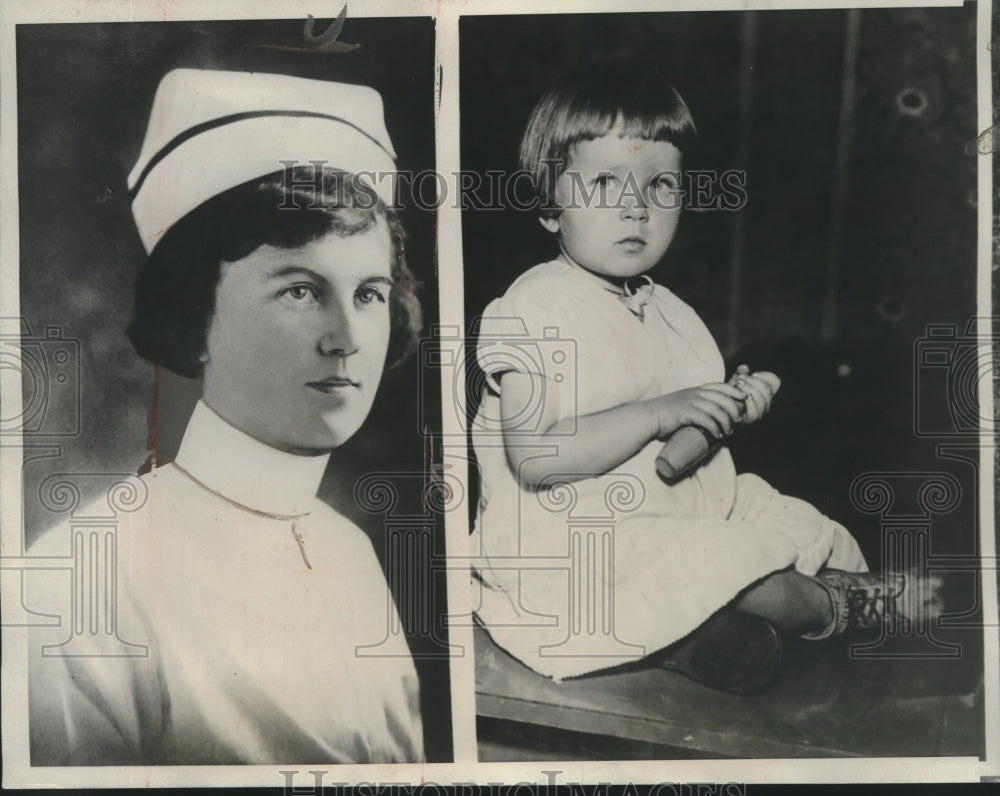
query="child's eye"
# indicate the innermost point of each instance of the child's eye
(666, 192)
(301, 292)
(665, 182)
(604, 179)
(368, 294)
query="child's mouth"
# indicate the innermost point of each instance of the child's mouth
(632, 244)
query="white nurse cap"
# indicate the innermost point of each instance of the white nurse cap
(211, 130)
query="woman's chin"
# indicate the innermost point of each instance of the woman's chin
(324, 440)
(305, 448)
(316, 438)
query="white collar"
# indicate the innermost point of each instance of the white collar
(633, 298)
(245, 471)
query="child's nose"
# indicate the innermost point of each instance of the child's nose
(636, 207)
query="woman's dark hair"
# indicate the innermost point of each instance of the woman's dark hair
(175, 290)
(586, 105)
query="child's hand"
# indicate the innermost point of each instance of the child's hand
(716, 408)
(759, 389)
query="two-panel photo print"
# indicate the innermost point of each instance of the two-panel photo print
(448, 397)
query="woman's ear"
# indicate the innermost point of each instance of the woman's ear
(551, 224)
(203, 357)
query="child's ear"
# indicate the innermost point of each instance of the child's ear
(551, 224)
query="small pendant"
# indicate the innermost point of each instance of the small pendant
(302, 545)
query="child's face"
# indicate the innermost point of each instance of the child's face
(620, 203)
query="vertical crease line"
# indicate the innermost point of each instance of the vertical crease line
(829, 324)
(577, 575)
(593, 573)
(409, 592)
(748, 55)
(302, 545)
(395, 552)
(79, 592)
(109, 574)
(154, 412)
(424, 592)
(93, 583)
(608, 593)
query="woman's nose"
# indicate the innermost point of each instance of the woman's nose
(338, 337)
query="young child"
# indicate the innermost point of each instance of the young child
(590, 368)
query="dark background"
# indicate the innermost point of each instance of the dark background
(84, 95)
(831, 295)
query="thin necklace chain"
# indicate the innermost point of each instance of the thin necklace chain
(293, 518)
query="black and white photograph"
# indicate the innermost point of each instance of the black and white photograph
(410, 397)
(225, 459)
(720, 282)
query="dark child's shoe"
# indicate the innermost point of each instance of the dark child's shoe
(867, 601)
(732, 651)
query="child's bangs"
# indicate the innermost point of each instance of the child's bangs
(668, 120)
(671, 126)
(586, 122)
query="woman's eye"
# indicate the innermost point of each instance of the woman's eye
(604, 179)
(368, 295)
(300, 292)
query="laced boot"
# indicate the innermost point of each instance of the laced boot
(865, 601)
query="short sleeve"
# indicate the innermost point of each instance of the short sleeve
(524, 332)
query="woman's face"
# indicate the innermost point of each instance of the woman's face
(297, 344)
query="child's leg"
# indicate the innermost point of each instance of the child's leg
(794, 602)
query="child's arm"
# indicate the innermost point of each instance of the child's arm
(688, 446)
(605, 439)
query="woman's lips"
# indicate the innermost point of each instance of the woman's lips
(334, 385)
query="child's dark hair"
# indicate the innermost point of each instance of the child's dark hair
(586, 105)
(175, 290)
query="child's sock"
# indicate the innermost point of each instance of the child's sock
(835, 615)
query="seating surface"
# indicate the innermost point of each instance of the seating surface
(826, 703)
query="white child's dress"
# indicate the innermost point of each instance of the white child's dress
(598, 572)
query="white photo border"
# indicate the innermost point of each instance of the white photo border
(465, 769)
